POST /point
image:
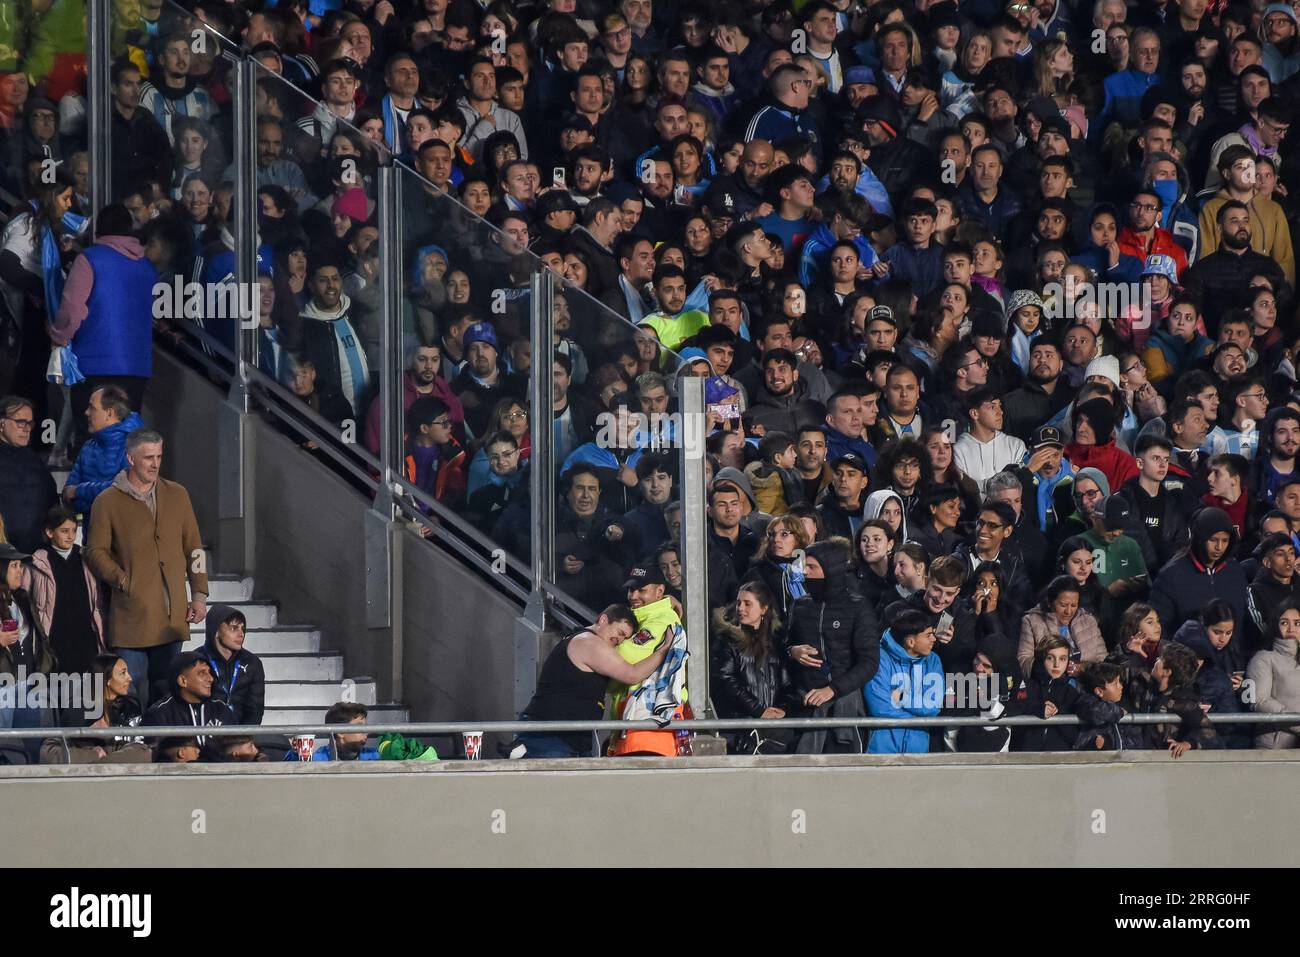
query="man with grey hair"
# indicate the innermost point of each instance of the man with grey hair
(144, 544)
(1007, 488)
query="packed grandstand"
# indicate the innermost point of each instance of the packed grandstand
(993, 307)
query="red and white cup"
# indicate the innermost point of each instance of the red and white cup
(473, 744)
(303, 745)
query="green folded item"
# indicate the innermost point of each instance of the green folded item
(394, 747)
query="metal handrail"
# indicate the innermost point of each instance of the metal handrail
(695, 724)
(450, 528)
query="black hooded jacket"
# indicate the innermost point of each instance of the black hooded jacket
(1188, 584)
(1213, 682)
(238, 681)
(840, 625)
(1031, 699)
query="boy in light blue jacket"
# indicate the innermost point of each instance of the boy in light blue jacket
(909, 683)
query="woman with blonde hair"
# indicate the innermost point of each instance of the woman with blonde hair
(957, 89)
(1053, 67)
(777, 563)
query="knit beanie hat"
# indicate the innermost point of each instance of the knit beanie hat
(1101, 416)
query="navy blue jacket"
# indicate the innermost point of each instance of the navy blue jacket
(27, 492)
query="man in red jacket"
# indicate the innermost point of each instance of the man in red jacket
(1143, 238)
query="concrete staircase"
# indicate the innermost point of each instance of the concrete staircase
(302, 681)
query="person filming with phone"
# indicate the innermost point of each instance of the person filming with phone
(953, 621)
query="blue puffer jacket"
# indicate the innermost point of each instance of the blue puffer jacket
(100, 459)
(922, 683)
(1123, 100)
(116, 337)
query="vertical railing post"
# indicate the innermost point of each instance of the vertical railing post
(390, 334)
(542, 463)
(245, 210)
(383, 535)
(529, 648)
(695, 545)
(99, 108)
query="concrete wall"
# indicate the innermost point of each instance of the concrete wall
(185, 406)
(458, 649)
(1210, 809)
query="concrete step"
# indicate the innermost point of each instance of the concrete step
(379, 714)
(257, 614)
(319, 694)
(303, 667)
(281, 640)
(229, 589)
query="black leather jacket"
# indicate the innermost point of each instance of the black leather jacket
(743, 687)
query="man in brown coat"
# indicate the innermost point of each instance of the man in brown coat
(144, 544)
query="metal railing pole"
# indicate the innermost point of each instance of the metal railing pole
(99, 105)
(388, 186)
(695, 544)
(245, 211)
(1264, 720)
(542, 465)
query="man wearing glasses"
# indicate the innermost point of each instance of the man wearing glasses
(1264, 135)
(784, 117)
(27, 490)
(1143, 238)
(1249, 404)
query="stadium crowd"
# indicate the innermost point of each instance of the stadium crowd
(995, 305)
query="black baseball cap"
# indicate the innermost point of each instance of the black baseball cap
(882, 314)
(639, 576)
(1045, 436)
(852, 459)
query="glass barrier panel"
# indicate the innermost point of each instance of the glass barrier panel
(465, 391)
(45, 179)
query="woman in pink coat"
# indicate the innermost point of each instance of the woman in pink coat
(1059, 615)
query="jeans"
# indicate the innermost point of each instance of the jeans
(14, 713)
(150, 670)
(544, 745)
